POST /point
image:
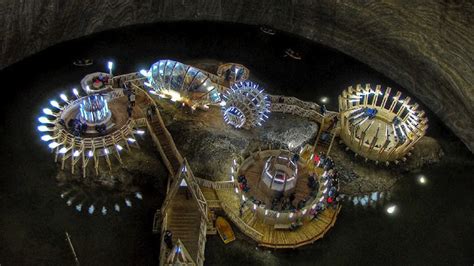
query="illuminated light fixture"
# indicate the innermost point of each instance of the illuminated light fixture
(140, 132)
(55, 104)
(53, 145)
(422, 180)
(313, 206)
(147, 84)
(90, 154)
(304, 211)
(106, 151)
(291, 214)
(232, 178)
(243, 197)
(266, 212)
(278, 214)
(76, 153)
(391, 209)
(48, 111)
(110, 65)
(118, 147)
(44, 120)
(74, 90)
(46, 138)
(324, 99)
(63, 150)
(245, 105)
(131, 140)
(144, 73)
(44, 128)
(254, 207)
(237, 190)
(63, 97)
(321, 199)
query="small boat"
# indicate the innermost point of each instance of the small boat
(267, 30)
(289, 52)
(225, 230)
(83, 62)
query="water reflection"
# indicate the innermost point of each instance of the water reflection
(373, 199)
(101, 200)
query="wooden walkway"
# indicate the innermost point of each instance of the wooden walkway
(272, 238)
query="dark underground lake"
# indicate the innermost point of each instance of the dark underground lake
(433, 224)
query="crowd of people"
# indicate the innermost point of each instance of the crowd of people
(100, 81)
(76, 127)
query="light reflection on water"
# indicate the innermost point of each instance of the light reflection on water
(79, 198)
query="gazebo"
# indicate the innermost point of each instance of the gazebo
(378, 125)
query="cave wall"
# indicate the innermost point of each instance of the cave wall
(427, 46)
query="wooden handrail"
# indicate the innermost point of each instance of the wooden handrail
(245, 228)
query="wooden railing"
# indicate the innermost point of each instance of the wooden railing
(245, 228)
(214, 184)
(201, 242)
(163, 248)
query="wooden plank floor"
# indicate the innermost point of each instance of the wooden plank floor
(306, 234)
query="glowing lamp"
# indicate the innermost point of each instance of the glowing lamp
(391, 209)
(144, 73)
(131, 140)
(110, 65)
(74, 90)
(90, 154)
(55, 104)
(63, 150)
(53, 145)
(76, 153)
(46, 138)
(44, 120)
(48, 111)
(63, 97)
(44, 128)
(118, 147)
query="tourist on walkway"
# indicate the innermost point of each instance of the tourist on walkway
(323, 110)
(149, 113)
(132, 99)
(129, 110)
(168, 238)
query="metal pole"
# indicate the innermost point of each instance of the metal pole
(68, 238)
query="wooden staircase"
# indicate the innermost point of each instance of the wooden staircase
(184, 221)
(166, 143)
(325, 138)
